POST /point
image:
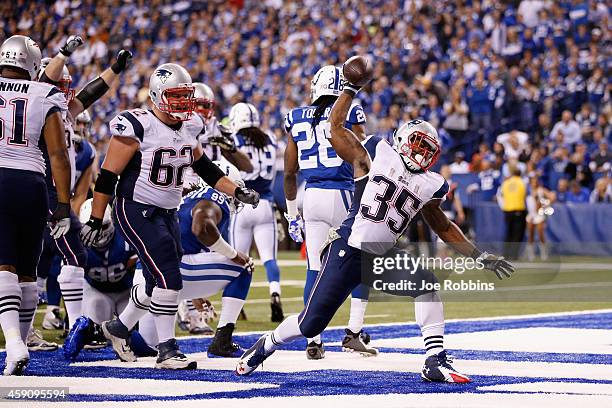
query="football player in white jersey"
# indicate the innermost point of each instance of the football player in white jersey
(329, 192)
(392, 184)
(73, 254)
(257, 223)
(144, 167)
(30, 117)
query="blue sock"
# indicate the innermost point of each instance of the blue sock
(272, 270)
(361, 292)
(311, 277)
(53, 290)
(239, 287)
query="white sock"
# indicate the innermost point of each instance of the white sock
(136, 308)
(146, 328)
(164, 305)
(316, 339)
(29, 301)
(286, 332)
(230, 309)
(71, 280)
(42, 284)
(275, 287)
(429, 313)
(10, 295)
(358, 309)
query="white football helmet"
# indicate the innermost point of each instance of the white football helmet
(22, 52)
(64, 83)
(234, 174)
(242, 116)
(82, 126)
(108, 228)
(327, 81)
(171, 91)
(205, 100)
(418, 144)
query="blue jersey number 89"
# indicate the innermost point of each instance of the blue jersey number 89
(314, 148)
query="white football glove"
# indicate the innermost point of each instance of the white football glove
(59, 223)
(296, 225)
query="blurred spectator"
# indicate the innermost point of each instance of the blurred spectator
(488, 182)
(459, 166)
(513, 193)
(515, 143)
(456, 111)
(538, 198)
(567, 128)
(577, 193)
(480, 101)
(602, 192)
(562, 190)
(602, 158)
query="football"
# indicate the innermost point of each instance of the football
(358, 70)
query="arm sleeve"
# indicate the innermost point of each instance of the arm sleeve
(356, 115)
(126, 125)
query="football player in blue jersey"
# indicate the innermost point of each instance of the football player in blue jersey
(108, 280)
(329, 192)
(144, 169)
(72, 251)
(259, 223)
(209, 264)
(392, 184)
(86, 164)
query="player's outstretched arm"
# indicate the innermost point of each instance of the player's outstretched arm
(206, 216)
(344, 141)
(213, 176)
(99, 86)
(450, 233)
(54, 135)
(120, 152)
(53, 71)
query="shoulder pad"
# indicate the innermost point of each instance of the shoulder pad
(356, 115)
(130, 123)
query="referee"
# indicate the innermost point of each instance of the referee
(512, 201)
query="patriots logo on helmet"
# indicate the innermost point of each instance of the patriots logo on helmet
(120, 127)
(163, 75)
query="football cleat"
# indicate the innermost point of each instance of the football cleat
(171, 358)
(365, 337)
(222, 345)
(96, 340)
(37, 343)
(437, 368)
(17, 358)
(77, 337)
(253, 357)
(277, 308)
(354, 342)
(315, 351)
(53, 320)
(119, 335)
(198, 326)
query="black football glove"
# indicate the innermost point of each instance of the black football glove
(246, 195)
(123, 62)
(59, 223)
(225, 141)
(90, 232)
(72, 43)
(498, 264)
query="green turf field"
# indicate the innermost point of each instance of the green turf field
(564, 286)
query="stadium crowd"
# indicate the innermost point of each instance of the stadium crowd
(509, 84)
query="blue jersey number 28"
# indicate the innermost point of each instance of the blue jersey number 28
(314, 149)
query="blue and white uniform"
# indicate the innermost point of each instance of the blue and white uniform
(384, 203)
(85, 156)
(150, 189)
(329, 180)
(206, 272)
(24, 108)
(107, 280)
(258, 223)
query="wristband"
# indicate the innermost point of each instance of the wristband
(62, 56)
(223, 248)
(292, 209)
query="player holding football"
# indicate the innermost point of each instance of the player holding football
(30, 123)
(144, 167)
(259, 223)
(329, 192)
(74, 255)
(392, 184)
